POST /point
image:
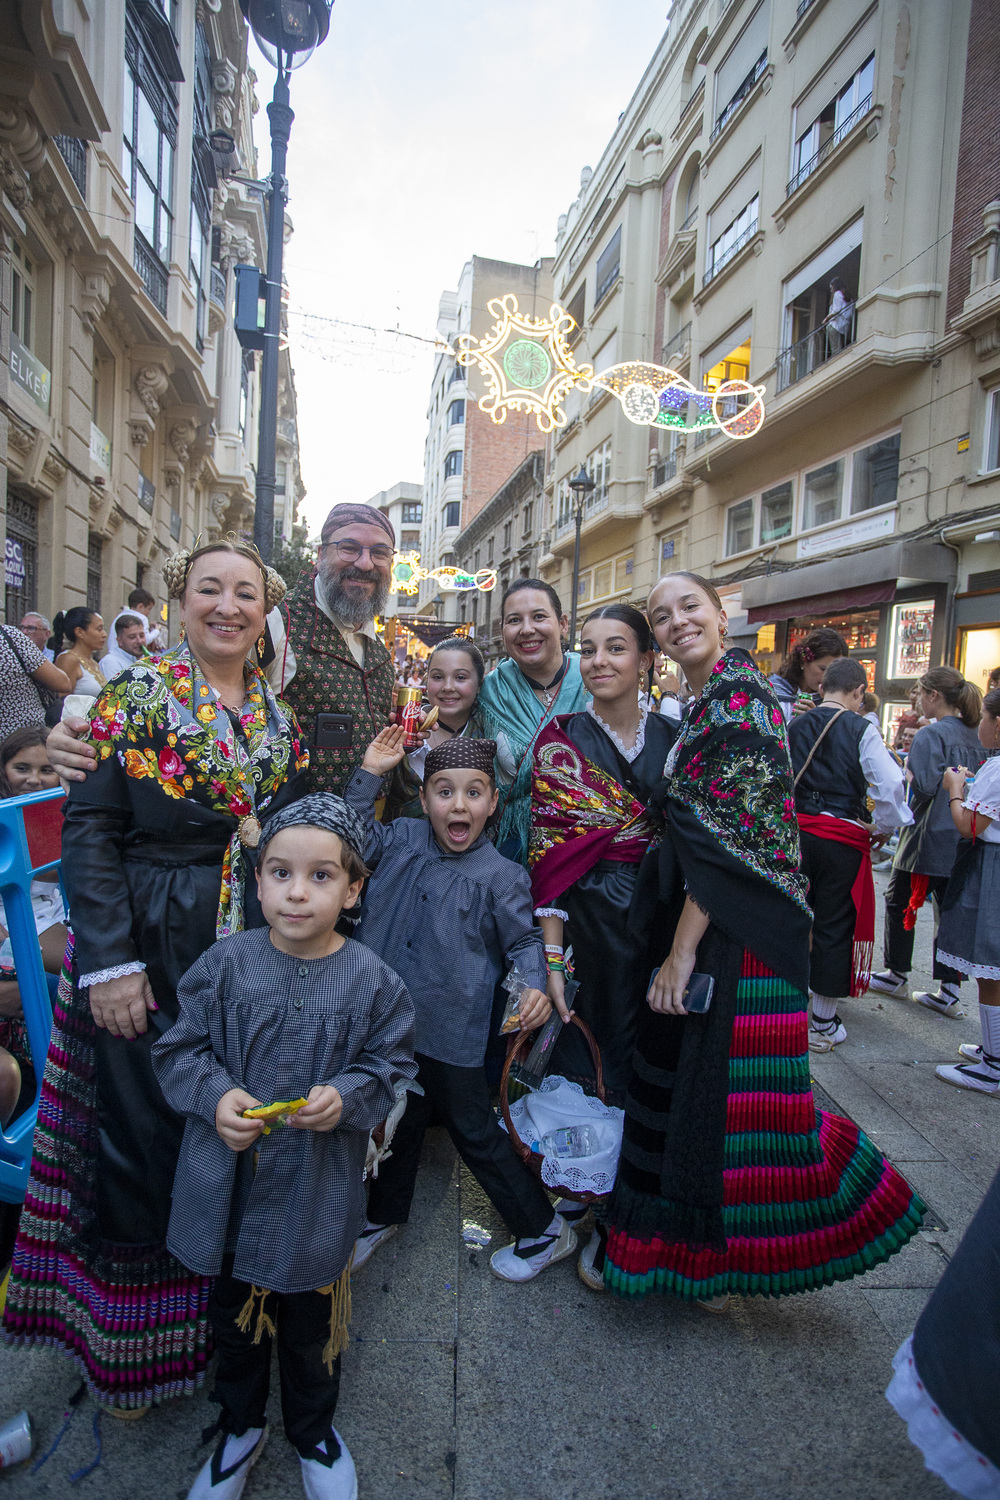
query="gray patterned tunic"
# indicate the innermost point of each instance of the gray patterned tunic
(253, 1017)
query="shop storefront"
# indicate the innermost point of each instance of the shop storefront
(977, 626)
(894, 624)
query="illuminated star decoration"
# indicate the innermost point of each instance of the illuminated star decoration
(408, 575)
(653, 396)
(526, 362)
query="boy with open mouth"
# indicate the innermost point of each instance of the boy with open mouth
(449, 914)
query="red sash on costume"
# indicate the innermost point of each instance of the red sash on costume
(840, 831)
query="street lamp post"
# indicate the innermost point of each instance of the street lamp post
(582, 486)
(287, 32)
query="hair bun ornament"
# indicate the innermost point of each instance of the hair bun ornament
(175, 571)
(275, 588)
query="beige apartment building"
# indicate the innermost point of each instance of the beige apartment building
(128, 411)
(467, 456)
(802, 196)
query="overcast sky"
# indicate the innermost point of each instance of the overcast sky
(427, 131)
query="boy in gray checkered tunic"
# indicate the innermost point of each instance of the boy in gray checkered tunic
(293, 1012)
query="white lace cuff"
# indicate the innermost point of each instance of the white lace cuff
(551, 911)
(119, 971)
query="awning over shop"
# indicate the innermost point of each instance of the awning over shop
(835, 603)
(428, 630)
(852, 581)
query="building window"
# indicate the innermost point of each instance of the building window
(412, 513)
(835, 120)
(95, 559)
(457, 374)
(776, 513)
(475, 561)
(197, 270)
(21, 560)
(506, 535)
(489, 552)
(740, 69)
(526, 520)
(453, 463)
(149, 139)
(739, 527)
(608, 265)
(992, 460)
(22, 320)
(452, 514)
(820, 304)
(456, 413)
(823, 490)
(739, 232)
(875, 475)
(599, 469)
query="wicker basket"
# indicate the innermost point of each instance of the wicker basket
(533, 1159)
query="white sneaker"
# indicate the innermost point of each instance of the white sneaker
(886, 982)
(971, 1050)
(590, 1265)
(513, 1263)
(325, 1481)
(217, 1483)
(368, 1242)
(825, 1035)
(982, 1078)
(940, 1003)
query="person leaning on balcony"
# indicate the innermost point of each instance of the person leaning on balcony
(838, 318)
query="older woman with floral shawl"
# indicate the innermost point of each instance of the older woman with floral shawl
(730, 1180)
(192, 746)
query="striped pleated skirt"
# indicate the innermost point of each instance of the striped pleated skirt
(808, 1199)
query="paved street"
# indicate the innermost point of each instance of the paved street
(458, 1385)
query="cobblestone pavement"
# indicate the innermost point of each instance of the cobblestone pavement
(456, 1384)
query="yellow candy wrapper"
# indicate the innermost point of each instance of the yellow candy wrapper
(278, 1111)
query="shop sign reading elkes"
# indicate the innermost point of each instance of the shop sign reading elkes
(29, 373)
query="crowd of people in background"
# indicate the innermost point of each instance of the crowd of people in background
(621, 825)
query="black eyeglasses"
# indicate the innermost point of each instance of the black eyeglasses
(350, 551)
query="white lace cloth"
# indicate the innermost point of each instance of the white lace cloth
(946, 1451)
(965, 966)
(119, 971)
(557, 1104)
(640, 739)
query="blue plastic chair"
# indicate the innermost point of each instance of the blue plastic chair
(30, 841)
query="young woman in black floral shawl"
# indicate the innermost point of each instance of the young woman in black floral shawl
(730, 1180)
(191, 747)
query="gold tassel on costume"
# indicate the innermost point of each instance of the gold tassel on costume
(339, 1292)
(265, 1324)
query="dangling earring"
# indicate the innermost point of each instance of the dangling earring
(183, 633)
(262, 641)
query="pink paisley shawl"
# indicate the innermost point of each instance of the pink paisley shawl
(579, 814)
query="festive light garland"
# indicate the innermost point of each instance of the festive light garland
(526, 362)
(528, 366)
(408, 575)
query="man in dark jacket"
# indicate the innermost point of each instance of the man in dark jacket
(329, 665)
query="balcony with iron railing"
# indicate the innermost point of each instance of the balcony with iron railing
(152, 271)
(217, 290)
(746, 87)
(74, 154)
(676, 347)
(843, 130)
(734, 249)
(592, 506)
(832, 337)
(664, 471)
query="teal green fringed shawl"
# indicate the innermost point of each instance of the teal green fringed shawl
(511, 712)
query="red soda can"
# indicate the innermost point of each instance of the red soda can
(408, 714)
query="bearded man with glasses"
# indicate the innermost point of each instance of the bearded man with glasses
(329, 665)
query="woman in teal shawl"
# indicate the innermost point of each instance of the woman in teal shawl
(538, 680)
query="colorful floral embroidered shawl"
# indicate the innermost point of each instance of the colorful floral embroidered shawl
(579, 814)
(163, 721)
(731, 766)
